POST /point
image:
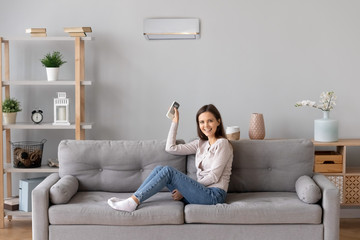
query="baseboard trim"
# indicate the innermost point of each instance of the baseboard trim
(350, 212)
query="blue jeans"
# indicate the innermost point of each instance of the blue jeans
(192, 191)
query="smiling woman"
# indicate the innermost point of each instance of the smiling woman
(209, 124)
(213, 161)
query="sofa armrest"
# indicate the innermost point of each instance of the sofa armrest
(40, 207)
(331, 207)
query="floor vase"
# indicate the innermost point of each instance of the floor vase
(326, 129)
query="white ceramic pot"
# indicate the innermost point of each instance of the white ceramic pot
(233, 133)
(9, 118)
(326, 129)
(52, 73)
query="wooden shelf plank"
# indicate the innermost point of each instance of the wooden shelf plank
(331, 174)
(45, 126)
(54, 38)
(43, 83)
(341, 142)
(43, 169)
(17, 213)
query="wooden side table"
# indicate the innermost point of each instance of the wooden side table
(330, 160)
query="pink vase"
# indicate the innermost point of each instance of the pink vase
(257, 126)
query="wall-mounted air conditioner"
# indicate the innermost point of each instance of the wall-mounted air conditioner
(171, 28)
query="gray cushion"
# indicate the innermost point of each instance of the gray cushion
(256, 208)
(62, 191)
(115, 166)
(92, 208)
(270, 165)
(307, 190)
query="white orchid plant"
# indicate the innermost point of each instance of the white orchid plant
(327, 102)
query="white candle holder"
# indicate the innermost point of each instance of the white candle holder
(61, 109)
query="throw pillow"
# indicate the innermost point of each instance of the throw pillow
(307, 190)
(62, 191)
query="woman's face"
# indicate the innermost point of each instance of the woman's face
(208, 124)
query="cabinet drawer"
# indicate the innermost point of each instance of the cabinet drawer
(328, 157)
(328, 168)
(328, 162)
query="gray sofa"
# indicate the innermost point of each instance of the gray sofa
(263, 201)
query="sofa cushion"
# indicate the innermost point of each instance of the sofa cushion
(256, 208)
(307, 190)
(113, 166)
(270, 165)
(62, 191)
(92, 208)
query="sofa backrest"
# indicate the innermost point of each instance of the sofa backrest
(267, 165)
(121, 166)
(114, 166)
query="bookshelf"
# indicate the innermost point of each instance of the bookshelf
(79, 125)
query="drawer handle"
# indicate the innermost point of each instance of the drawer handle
(329, 162)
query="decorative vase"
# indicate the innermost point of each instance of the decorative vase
(52, 73)
(9, 118)
(326, 129)
(257, 126)
(233, 133)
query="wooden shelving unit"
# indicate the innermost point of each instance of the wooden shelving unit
(43, 83)
(79, 126)
(345, 177)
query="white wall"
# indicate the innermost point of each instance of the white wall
(253, 56)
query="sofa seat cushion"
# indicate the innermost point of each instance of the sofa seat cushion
(92, 208)
(256, 208)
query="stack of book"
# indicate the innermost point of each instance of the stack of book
(11, 204)
(77, 31)
(36, 32)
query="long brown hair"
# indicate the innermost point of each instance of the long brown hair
(220, 131)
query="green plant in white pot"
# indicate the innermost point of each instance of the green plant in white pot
(52, 62)
(10, 107)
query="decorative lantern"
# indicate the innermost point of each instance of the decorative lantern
(61, 109)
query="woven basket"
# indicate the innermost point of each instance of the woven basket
(27, 154)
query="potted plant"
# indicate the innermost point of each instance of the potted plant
(52, 62)
(10, 107)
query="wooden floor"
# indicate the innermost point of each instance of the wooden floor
(20, 229)
(349, 228)
(16, 229)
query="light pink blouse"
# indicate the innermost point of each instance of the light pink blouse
(213, 162)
